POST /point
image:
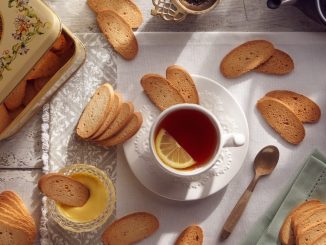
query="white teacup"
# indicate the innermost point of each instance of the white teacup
(223, 140)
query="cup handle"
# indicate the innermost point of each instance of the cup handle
(233, 140)
(168, 10)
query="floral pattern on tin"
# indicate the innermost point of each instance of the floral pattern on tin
(27, 26)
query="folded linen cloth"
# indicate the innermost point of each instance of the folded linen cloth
(309, 184)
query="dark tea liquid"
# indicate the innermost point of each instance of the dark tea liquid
(194, 131)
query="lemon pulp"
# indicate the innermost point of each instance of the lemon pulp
(170, 152)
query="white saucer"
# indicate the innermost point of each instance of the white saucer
(221, 103)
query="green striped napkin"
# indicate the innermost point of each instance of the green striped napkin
(309, 184)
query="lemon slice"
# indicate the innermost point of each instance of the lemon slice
(170, 152)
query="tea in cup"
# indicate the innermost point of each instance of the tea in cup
(187, 139)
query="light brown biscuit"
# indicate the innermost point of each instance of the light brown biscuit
(21, 214)
(286, 234)
(15, 201)
(59, 44)
(15, 113)
(118, 33)
(320, 240)
(39, 83)
(183, 82)
(130, 229)
(47, 66)
(30, 93)
(305, 109)
(282, 119)
(160, 91)
(5, 118)
(191, 235)
(279, 64)
(13, 235)
(113, 112)
(64, 189)
(127, 9)
(125, 133)
(95, 111)
(246, 57)
(315, 216)
(124, 116)
(311, 233)
(15, 98)
(12, 218)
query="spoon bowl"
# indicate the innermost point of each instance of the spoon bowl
(266, 160)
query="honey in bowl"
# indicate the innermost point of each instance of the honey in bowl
(95, 205)
(193, 132)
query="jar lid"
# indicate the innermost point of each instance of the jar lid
(28, 29)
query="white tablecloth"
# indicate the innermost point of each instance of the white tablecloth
(201, 53)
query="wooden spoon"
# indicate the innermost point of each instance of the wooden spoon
(264, 164)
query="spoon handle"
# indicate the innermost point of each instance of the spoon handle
(237, 211)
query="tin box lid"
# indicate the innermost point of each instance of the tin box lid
(29, 28)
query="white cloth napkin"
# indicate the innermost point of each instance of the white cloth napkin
(201, 53)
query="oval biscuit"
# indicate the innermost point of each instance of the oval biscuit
(130, 229)
(191, 235)
(246, 57)
(183, 82)
(95, 111)
(282, 119)
(160, 91)
(127, 9)
(303, 107)
(279, 64)
(118, 33)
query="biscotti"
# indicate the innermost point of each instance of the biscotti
(310, 234)
(307, 224)
(15, 98)
(160, 91)
(96, 111)
(304, 108)
(191, 235)
(279, 64)
(320, 240)
(246, 57)
(64, 189)
(16, 224)
(112, 114)
(183, 82)
(125, 133)
(47, 66)
(115, 125)
(282, 119)
(130, 229)
(118, 33)
(286, 234)
(127, 9)
(124, 116)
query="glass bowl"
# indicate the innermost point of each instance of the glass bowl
(76, 226)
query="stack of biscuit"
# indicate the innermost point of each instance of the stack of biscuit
(116, 19)
(305, 224)
(17, 226)
(35, 80)
(257, 55)
(286, 111)
(107, 120)
(178, 87)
